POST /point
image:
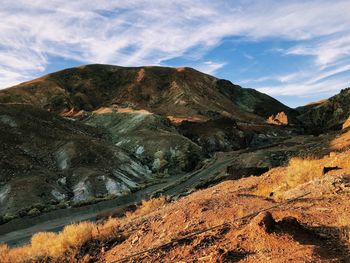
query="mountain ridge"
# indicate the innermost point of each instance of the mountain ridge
(101, 131)
(117, 82)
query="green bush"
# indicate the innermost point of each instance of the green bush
(34, 212)
(9, 216)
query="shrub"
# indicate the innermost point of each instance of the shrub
(44, 244)
(303, 170)
(34, 212)
(47, 246)
(106, 231)
(300, 171)
(147, 206)
(62, 205)
(4, 253)
(73, 236)
(9, 216)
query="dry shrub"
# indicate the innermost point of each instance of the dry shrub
(302, 170)
(50, 245)
(73, 236)
(15, 255)
(107, 230)
(264, 189)
(147, 206)
(46, 245)
(4, 253)
(344, 225)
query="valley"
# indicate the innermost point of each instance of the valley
(100, 141)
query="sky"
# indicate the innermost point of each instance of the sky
(297, 51)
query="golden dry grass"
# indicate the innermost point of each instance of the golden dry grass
(45, 245)
(50, 245)
(147, 206)
(303, 170)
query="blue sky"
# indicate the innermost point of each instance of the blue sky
(296, 51)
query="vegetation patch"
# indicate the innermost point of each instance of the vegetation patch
(302, 170)
(76, 238)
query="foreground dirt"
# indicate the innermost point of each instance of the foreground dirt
(312, 228)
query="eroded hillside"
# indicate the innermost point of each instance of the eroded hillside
(107, 137)
(96, 132)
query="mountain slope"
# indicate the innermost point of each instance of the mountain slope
(97, 131)
(329, 114)
(47, 162)
(164, 91)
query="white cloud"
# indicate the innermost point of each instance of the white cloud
(210, 67)
(139, 32)
(325, 51)
(327, 87)
(255, 80)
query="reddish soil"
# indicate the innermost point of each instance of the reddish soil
(313, 228)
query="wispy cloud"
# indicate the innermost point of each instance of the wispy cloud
(136, 32)
(210, 67)
(325, 88)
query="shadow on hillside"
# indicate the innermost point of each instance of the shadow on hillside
(330, 243)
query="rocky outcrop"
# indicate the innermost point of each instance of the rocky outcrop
(214, 135)
(346, 124)
(330, 114)
(279, 119)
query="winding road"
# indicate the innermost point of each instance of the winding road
(19, 231)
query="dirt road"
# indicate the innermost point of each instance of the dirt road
(19, 231)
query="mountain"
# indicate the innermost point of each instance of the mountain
(178, 95)
(97, 132)
(329, 114)
(177, 92)
(96, 141)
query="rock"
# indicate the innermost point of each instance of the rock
(279, 119)
(346, 124)
(265, 221)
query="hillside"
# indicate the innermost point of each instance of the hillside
(178, 92)
(235, 221)
(95, 141)
(329, 114)
(96, 132)
(47, 161)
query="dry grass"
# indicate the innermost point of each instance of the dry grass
(147, 207)
(108, 230)
(344, 225)
(303, 170)
(51, 245)
(48, 245)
